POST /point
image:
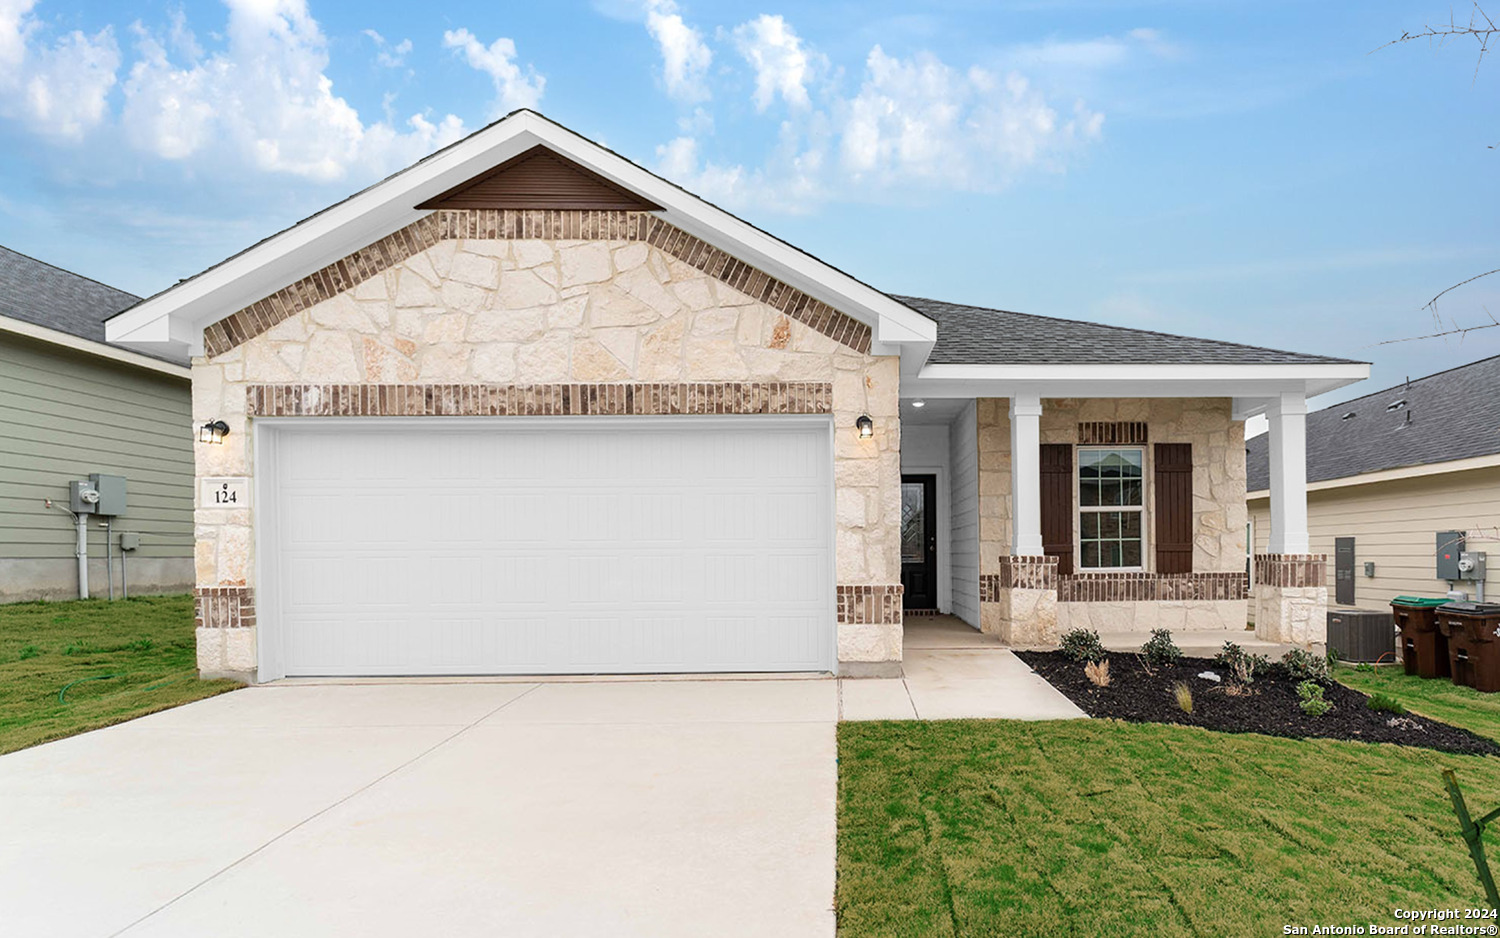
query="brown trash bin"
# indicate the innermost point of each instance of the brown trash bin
(1424, 649)
(1473, 652)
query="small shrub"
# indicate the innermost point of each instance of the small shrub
(1365, 667)
(1385, 703)
(1159, 649)
(1097, 672)
(1082, 645)
(1304, 666)
(1183, 694)
(1243, 665)
(29, 651)
(1311, 695)
(1237, 689)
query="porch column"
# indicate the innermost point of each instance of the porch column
(1288, 458)
(1026, 475)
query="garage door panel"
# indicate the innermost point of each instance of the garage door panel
(490, 549)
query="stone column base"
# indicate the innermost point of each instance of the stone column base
(1291, 598)
(1019, 604)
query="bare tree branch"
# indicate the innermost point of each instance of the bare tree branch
(1480, 27)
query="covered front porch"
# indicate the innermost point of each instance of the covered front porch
(1038, 499)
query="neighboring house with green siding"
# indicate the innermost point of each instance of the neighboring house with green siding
(70, 405)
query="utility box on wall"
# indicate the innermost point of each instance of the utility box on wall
(111, 491)
(1450, 544)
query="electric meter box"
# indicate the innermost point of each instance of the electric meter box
(1450, 544)
(83, 498)
(111, 491)
(1471, 565)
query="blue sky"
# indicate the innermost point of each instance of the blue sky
(1249, 171)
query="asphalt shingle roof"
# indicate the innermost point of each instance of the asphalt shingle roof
(1453, 414)
(974, 335)
(43, 295)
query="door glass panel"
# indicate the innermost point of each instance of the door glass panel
(913, 522)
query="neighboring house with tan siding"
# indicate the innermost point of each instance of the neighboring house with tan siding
(70, 406)
(1387, 473)
(525, 407)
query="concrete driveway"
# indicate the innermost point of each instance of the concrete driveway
(591, 808)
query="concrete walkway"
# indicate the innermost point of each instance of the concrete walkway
(519, 809)
(950, 671)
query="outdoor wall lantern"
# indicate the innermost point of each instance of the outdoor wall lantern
(213, 432)
(865, 426)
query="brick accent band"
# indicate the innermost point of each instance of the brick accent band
(537, 400)
(573, 224)
(223, 607)
(1291, 570)
(869, 605)
(1104, 433)
(1027, 572)
(1151, 587)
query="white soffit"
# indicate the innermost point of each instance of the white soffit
(1252, 385)
(177, 316)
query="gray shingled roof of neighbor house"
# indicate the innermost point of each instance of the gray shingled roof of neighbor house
(1453, 414)
(974, 335)
(39, 293)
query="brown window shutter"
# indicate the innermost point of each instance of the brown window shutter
(1174, 508)
(1057, 504)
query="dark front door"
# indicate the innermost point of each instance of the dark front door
(1343, 571)
(919, 541)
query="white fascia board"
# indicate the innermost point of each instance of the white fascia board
(90, 347)
(388, 206)
(314, 243)
(1234, 381)
(1398, 474)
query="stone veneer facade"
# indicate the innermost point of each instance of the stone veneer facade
(478, 313)
(1024, 608)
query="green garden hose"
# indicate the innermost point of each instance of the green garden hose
(102, 677)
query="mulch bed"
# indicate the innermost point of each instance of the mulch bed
(1271, 707)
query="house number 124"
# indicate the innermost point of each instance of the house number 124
(232, 492)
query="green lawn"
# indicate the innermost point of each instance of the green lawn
(1091, 827)
(143, 645)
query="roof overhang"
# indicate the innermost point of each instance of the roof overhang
(90, 347)
(1253, 387)
(175, 319)
(1398, 474)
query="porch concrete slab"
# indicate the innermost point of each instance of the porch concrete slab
(944, 632)
(875, 699)
(664, 813)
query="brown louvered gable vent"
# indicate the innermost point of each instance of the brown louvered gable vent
(1100, 433)
(539, 178)
(1057, 504)
(1174, 507)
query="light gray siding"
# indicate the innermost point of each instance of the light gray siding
(65, 414)
(963, 523)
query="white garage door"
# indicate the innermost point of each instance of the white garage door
(539, 546)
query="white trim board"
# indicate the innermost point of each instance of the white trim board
(1394, 475)
(89, 347)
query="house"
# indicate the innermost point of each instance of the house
(525, 407)
(1389, 475)
(70, 406)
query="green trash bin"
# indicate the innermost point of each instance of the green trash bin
(1424, 649)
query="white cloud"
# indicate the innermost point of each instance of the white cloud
(1101, 52)
(685, 57)
(915, 123)
(387, 55)
(265, 99)
(61, 90)
(514, 87)
(782, 64)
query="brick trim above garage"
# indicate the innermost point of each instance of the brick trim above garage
(538, 400)
(869, 605)
(224, 607)
(1294, 571)
(544, 224)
